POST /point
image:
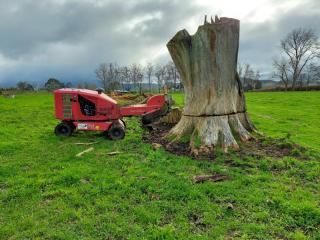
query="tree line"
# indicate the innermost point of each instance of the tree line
(127, 78)
(112, 77)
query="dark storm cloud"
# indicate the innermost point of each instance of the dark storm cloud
(26, 25)
(67, 39)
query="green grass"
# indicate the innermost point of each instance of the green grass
(48, 193)
(284, 114)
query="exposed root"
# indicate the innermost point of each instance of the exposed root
(246, 122)
(240, 130)
(258, 148)
(213, 131)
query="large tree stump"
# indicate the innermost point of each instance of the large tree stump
(215, 108)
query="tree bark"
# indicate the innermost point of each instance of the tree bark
(215, 107)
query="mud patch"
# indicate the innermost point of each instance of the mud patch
(156, 134)
(259, 148)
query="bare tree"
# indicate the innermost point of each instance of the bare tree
(149, 71)
(312, 73)
(114, 75)
(256, 79)
(281, 72)
(249, 78)
(248, 75)
(159, 74)
(24, 86)
(299, 47)
(102, 75)
(109, 75)
(314, 70)
(167, 76)
(125, 77)
(136, 75)
(172, 74)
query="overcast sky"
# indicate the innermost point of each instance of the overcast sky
(67, 39)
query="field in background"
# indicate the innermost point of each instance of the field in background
(46, 192)
(284, 114)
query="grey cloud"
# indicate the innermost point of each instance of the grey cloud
(69, 39)
(259, 43)
(31, 30)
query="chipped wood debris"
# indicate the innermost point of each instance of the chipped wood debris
(86, 143)
(85, 151)
(213, 178)
(113, 153)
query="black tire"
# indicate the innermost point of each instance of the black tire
(116, 132)
(64, 129)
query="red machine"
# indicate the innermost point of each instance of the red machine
(89, 110)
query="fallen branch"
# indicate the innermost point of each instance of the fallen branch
(113, 153)
(214, 178)
(88, 143)
(109, 153)
(85, 151)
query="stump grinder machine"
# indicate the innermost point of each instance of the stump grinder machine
(88, 110)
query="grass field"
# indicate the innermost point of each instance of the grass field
(46, 192)
(284, 114)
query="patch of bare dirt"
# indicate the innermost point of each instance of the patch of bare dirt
(259, 148)
(156, 135)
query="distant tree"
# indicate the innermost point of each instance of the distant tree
(53, 84)
(24, 86)
(68, 84)
(21, 85)
(140, 80)
(159, 74)
(108, 73)
(281, 72)
(249, 78)
(114, 85)
(36, 86)
(314, 71)
(256, 81)
(248, 75)
(125, 78)
(311, 74)
(258, 85)
(149, 69)
(298, 48)
(136, 75)
(172, 74)
(88, 85)
(103, 75)
(115, 73)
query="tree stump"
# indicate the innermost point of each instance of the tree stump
(215, 107)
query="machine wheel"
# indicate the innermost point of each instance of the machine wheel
(116, 132)
(64, 129)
